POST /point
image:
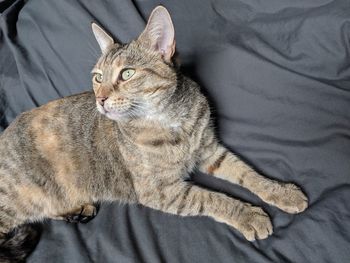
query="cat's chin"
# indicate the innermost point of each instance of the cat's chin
(117, 116)
(113, 115)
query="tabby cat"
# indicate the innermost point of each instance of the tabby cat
(134, 139)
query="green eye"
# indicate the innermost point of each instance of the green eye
(98, 77)
(127, 73)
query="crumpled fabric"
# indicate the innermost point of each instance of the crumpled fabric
(277, 75)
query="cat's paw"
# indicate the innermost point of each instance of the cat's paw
(84, 215)
(255, 224)
(289, 198)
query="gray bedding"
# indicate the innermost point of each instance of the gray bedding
(277, 73)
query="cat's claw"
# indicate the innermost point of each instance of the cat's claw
(86, 214)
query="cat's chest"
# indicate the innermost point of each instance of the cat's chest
(159, 155)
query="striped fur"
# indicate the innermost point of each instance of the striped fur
(65, 155)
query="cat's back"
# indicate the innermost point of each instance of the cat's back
(54, 128)
(56, 113)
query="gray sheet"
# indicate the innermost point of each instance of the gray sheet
(277, 73)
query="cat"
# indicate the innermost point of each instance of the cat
(133, 139)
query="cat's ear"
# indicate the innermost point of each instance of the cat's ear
(103, 39)
(159, 34)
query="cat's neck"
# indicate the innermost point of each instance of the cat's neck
(176, 117)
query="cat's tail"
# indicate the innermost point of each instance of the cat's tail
(19, 243)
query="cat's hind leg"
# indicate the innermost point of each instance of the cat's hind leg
(82, 214)
(17, 239)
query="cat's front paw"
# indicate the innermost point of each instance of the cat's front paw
(289, 198)
(254, 224)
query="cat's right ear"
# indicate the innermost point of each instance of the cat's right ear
(104, 40)
(159, 34)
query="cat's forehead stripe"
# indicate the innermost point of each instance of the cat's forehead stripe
(113, 53)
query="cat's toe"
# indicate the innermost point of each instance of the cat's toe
(85, 215)
(291, 199)
(294, 200)
(88, 213)
(73, 218)
(255, 224)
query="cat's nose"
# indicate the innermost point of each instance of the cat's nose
(101, 100)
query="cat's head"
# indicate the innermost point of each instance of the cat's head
(134, 80)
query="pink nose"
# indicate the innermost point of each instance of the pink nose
(101, 100)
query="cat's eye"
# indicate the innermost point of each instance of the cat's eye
(98, 77)
(127, 73)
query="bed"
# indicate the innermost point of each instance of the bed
(277, 74)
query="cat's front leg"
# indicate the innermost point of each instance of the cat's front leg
(174, 196)
(219, 162)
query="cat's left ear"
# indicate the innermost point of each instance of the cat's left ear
(104, 40)
(159, 34)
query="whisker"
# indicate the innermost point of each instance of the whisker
(137, 107)
(134, 112)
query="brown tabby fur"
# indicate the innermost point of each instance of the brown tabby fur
(65, 155)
